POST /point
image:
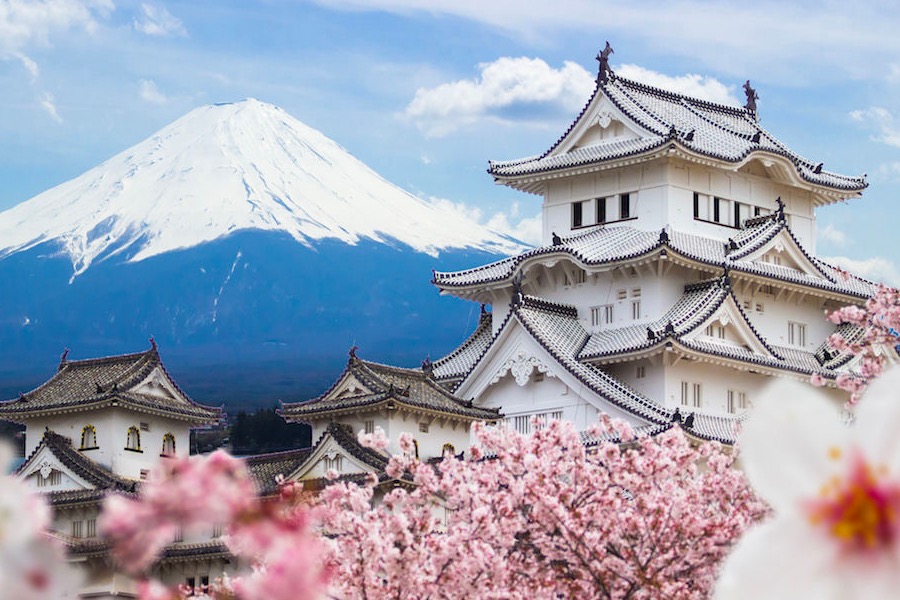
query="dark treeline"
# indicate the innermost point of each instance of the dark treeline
(265, 431)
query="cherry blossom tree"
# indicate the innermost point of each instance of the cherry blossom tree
(274, 535)
(879, 321)
(609, 515)
(541, 516)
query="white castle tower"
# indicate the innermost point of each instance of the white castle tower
(677, 273)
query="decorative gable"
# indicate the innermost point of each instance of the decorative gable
(327, 456)
(729, 327)
(45, 472)
(350, 386)
(158, 385)
(600, 124)
(782, 250)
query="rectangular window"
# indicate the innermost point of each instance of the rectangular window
(144, 474)
(621, 294)
(217, 530)
(717, 209)
(577, 217)
(737, 401)
(696, 205)
(190, 583)
(145, 426)
(641, 372)
(77, 529)
(715, 330)
(797, 334)
(760, 308)
(624, 206)
(635, 309)
(423, 427)
(635, 292)
(370, 426)
(601, 210)
(742, 212)
(91, 528)
(601, 315)
(691, 394)
(537, 377)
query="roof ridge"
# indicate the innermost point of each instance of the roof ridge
(737, 110)
(537, 303)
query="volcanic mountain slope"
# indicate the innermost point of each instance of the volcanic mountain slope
(236, 236)
(225, 168)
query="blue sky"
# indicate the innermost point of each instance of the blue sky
(427, 91)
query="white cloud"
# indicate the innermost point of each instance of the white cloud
(832, 234)
(34, 22)
(157, 20)
(507, 84)
(698, 86)
(48, 104)
(888, 171)
(526, 229)
(150, 93)
(882, 121)
(877, 269)
(736, 37)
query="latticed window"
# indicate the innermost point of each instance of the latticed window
(168, 445)
(88, 437)
(133, 441)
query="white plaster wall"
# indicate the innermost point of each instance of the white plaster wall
(112, 426)
(772, 323)
(657, 294)
(430, 444)
(715, 380)
(393, 424)
(666, 197)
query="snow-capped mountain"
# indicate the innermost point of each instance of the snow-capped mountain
(254, 249)
(225, 168)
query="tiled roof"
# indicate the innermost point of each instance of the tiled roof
(612, 244)
(100, 382)
(457, 363)
(563, 337)
(346, 439)
(697, 304)
(265, 468)
(726, 133)
(93, 473)
(386, 384)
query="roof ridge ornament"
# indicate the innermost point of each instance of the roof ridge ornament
(604, 73)
(752, 97)
(153, 345)
(63, 359)
(517, 296)
(779, 212)
(427, 367)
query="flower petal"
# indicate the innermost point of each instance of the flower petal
(781, 559)
(878, 421)
(787, 442)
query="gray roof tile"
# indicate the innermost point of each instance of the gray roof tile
(713, 130)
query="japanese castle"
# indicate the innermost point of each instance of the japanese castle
(677, 275)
